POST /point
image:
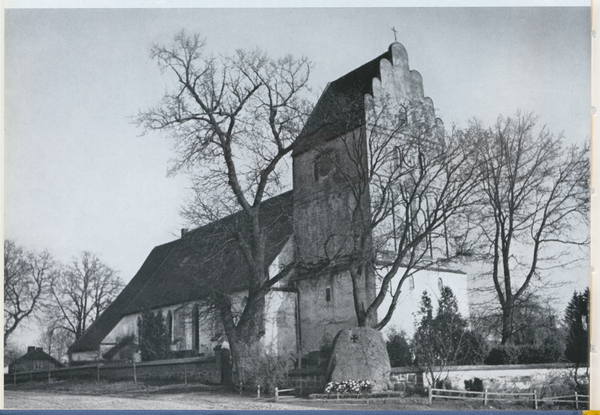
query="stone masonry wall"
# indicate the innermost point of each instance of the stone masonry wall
(212, 370)
(323, 316)
(323, 202)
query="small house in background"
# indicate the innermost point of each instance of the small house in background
(35, 360)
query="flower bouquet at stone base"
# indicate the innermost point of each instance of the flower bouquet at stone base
(349, 387)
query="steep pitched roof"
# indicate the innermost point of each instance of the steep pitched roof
(92, 337)
(36, 355)
(181, 270)
(341, 106)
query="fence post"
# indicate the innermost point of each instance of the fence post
(485, 396)
(576, 401)
(258, 391)
(430, 395)
(134, 372)
(185, 372)
(241, 389)
(535, 400)
(98, 371)
(276, 393)
(15, 378)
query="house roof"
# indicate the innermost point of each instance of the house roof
(127, 341)
(36, 354)
(183, 270)
(341, 106)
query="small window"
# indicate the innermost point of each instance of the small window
(402, 117)
(170, 326)
(440, 284)
(196, 328)
(411, 283)
(398, 157)
(323, 164)
(327, 294)
(315, 171)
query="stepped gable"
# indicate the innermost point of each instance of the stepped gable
(179, 271)
(341, 107)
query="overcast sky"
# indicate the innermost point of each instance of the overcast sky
(78, 175)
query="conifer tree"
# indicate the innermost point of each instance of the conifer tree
(153, 338)
(445, 339)
(576, 320)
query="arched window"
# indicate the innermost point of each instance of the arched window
(322, 165)
(196, 328)
(170, 326)
(440, 284)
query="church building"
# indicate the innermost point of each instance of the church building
(304, 311)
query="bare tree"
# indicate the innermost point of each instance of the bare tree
(533, 200)
(27, 277)
(408, 180)
(12, 352)
(80, 292)
(56, 340)
(233, 120)
(534, 321)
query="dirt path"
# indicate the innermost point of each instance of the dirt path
(54, 400)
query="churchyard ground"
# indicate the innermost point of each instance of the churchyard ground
(126, 395)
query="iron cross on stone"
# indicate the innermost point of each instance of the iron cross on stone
(394, 30)
(354, 338)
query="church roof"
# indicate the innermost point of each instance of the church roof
(341, 106)
(182, 270)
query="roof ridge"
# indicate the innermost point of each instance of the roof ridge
(238, 212)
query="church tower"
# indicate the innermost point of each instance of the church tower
(330, 162)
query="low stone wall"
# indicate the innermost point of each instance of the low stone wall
(307, 381)
(501, 377)
(214, 370)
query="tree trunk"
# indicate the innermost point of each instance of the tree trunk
(242, 348)
(507, 319)
(244, 336)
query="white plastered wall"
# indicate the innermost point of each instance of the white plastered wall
(404, 316)
(280, 323)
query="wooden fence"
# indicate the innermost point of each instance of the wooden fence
(487, 396)
(577, 399)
